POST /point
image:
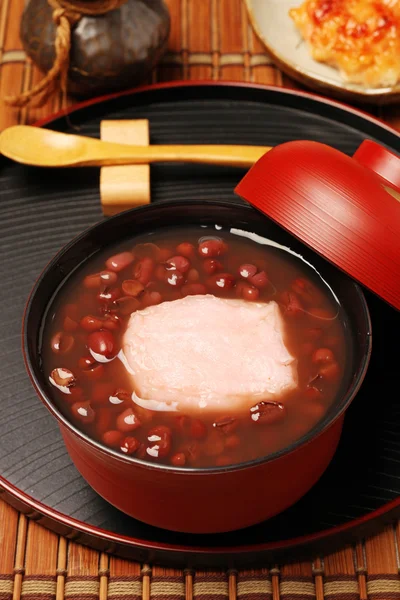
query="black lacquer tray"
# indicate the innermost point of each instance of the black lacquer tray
(41, 210)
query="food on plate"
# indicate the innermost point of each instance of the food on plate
(360, 38)
(195, 347)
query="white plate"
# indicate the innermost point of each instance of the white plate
(271, 22)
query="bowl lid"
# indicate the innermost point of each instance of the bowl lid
(347, 209)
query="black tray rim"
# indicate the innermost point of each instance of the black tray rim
(327, 540)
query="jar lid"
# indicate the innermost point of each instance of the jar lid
(347, 209)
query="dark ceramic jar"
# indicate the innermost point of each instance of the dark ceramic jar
(109, 52)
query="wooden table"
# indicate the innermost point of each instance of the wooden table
(210, 39)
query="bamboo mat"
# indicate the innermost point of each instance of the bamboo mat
(210, 39)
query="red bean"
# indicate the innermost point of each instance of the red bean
(151, 299)
(212, 248)
(75, 394)
(108, 277)
(214, 445)
(267, 413)
(330, 372)
(103, 343)
(112, 438)
(186, 249)
(127, 305)
(239, 288)
(98, 279)
(141, 451)
(159, 439)
(178, 459)
(193, 276)
(260, 280)
(180, 263)
(109, 295)
(183, 424)
(87, 362)
(307, 291)
(91, 323)
(90, 367)
(223, 461)
(250, 292)
(92, 281)
(198, 430)
(226, 424)
(146, 250)
(69, 324)
(62, 343)
(129, 445)
(194, 289)
(211, 266)
(143, 270)
(111, 322)
(103, 419)
(83, 412)
(163, 254)
(232, 442)
(221, 281)
(96, 372)
(71, 311)
(192, 452)
(247, 270)
(120, 261)
(293, 307)
(128, 421)
(132, 287)
(63, 377)
(170, 277)
(162, 274)
(119, 397)
(323, 355)
(145, 416)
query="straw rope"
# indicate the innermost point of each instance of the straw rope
(66, 13)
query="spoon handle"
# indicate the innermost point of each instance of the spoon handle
(47, 148)
(120, 154)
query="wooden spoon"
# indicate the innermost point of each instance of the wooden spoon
(45, 148)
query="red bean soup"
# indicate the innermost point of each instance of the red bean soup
(195, 347)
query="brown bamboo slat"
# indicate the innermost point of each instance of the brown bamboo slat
(40, 568)
(125, 580)
(199, 38)
(82, 574)
(8, 541)
(210, 39)
(19, 558)
(340, 577)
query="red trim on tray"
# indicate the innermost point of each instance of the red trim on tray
(215, 550)
(237, 551)
(176, 84)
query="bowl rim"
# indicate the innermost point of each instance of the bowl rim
(310, 436)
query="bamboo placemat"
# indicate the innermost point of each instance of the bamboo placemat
(210, 39)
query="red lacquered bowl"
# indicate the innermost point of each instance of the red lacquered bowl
(206, 500)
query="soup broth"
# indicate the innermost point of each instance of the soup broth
(90, 380)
